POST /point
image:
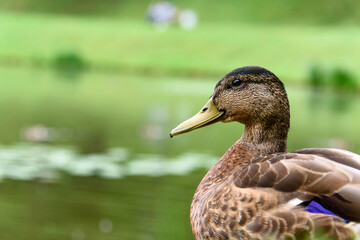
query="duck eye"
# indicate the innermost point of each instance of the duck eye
(236, 82)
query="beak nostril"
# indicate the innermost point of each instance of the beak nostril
(204, 109)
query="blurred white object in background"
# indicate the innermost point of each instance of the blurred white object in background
(41, 133)
(188, 19)
(155, 128)
(162, 14)
(105, 225)
(78, 234)
(37, 133)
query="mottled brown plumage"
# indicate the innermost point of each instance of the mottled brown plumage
(248, 193)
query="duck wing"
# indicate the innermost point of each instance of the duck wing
(330, 175)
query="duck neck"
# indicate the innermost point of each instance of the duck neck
(266, 137)
(257, 140)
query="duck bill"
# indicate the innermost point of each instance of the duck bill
(209, 114)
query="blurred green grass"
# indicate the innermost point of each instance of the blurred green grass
(259, 11)
(211, 50)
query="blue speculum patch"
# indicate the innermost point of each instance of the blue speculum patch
(315, 207)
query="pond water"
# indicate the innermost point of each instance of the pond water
(91, 157)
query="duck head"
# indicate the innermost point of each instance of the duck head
(251, 95)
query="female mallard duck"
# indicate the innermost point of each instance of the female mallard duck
(257, 190)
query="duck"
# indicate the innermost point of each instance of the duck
(258, 190)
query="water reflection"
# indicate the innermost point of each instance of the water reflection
(336, 102)
(38, 161)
